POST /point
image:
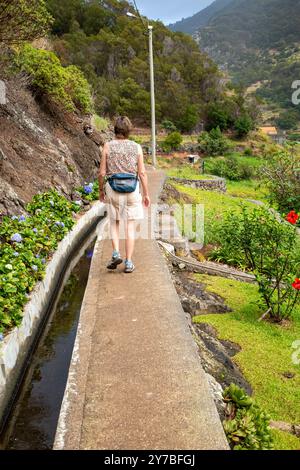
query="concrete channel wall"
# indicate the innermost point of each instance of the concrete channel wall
(16, 346)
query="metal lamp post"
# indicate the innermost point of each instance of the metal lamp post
(152, 91)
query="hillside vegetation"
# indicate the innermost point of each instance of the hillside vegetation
(112, 51)
(258, 42)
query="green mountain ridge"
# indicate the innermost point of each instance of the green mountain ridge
(193, 23)
(258, 42)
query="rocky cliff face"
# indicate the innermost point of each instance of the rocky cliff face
(42, 148)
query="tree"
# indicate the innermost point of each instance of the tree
(23, 20)
(213, 142)
(64, 14)
(243, 125)
(288, 119)
(189, 120)
(217, 116)
(281, 175)
(172, 142)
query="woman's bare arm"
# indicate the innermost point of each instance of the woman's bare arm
(102, 173)
(143, 178)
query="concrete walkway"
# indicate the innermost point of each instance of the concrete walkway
(136, 381)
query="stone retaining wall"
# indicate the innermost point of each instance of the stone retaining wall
(16, 345)
(214, 184)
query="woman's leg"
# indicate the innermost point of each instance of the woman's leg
(130, 238)
(115, 234)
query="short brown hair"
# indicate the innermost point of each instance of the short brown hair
(123, 126)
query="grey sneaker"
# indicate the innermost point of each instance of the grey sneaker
(115, 261)
(129, 267)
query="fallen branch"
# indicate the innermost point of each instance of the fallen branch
(265, 315)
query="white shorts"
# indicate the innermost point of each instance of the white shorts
(124, 206)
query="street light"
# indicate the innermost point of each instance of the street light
(152, 90)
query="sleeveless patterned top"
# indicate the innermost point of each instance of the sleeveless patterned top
(122, 157)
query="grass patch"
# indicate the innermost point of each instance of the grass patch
(255, 162)
(266, 348)
(212, 200)
(215, 205)
(187, 172)
(100, 123)
(247, 189)
(285, 441)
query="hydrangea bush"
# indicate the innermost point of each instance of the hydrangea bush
(26, 243)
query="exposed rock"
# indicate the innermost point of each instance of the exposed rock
(168, 46)
(42, 147)
(216, 355)
(217, 392)
(216, 360)
(196, 300)
(286, 427)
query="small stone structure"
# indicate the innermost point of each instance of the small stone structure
(213, 184)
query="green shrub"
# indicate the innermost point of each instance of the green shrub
(213, 142)
(172, 142)
(100, 123)
(281, 174)
(65, 85)
(23, 20)
(232, 168)
(218, 115)
(247, 427)
(248, 152)
(168, 126)
(188, 120)
(256, 240)
(26, 244)
(243, 125)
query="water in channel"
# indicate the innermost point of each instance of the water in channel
(33, 423)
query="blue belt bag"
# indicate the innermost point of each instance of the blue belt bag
(123, 182)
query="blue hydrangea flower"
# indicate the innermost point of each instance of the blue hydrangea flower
(16, 238)
(37, 256)
(87, 189)
(89, 254)
(35, 230)
(16, 253)
(22, 218)
(35, 268)
(59, 224)
(43, 261)
(1, 337)
(14, 217)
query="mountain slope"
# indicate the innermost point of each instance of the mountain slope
(112, 51)
(199, 20)
(258, 42)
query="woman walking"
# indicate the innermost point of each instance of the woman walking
(122, 167)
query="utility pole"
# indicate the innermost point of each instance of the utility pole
(152, 89)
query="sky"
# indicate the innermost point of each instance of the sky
(170, 11)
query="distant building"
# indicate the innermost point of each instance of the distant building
(276, 135)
